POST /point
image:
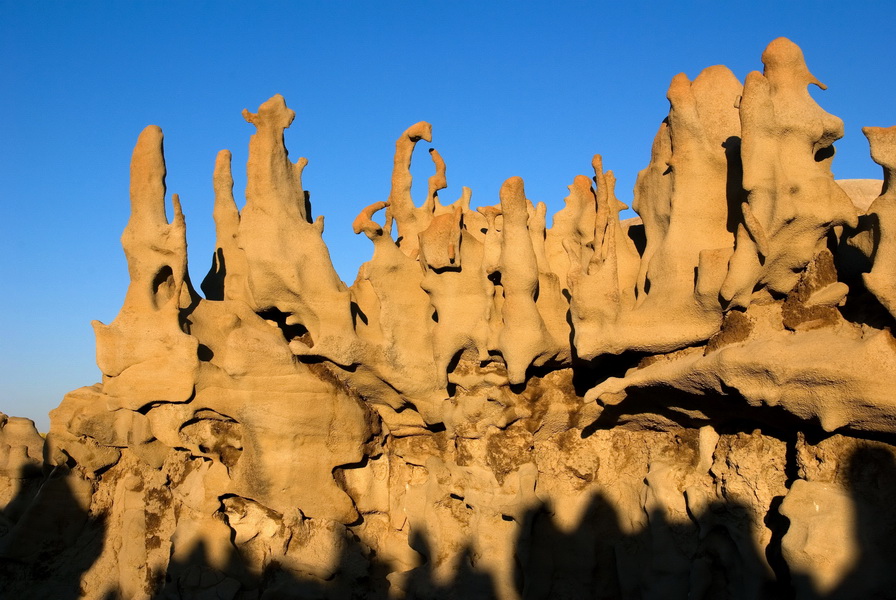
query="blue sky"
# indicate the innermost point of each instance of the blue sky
(511, 88)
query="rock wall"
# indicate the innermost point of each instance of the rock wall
(697, 403)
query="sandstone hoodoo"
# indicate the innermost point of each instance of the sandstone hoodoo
(695, 403)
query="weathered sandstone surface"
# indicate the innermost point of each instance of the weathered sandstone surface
(698, 403)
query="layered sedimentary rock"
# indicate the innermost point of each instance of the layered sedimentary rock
(697, 403)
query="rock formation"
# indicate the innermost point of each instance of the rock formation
(697, 403)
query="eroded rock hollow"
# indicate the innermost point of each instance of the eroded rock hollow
(695, 403)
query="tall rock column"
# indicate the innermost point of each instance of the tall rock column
(147, 338)
(289, 266)
(793, 201)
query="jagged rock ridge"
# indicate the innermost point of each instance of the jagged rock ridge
(693, 404)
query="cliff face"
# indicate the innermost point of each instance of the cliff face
(694, 404)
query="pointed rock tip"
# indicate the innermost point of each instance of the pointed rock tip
(272, 111)
(678, 87)
(222, 174)
(784, 61)
(151, 134)
(716, 76)
(582, 182)
(513, 183)
(275, 103)
(175, 202)
(512, 190)
(879, 132)
(680, 80)
(785, 56)
(148, 160)
(781, 50)
(715, 70)
(882, 141)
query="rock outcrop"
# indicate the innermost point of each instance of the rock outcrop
(697, 403)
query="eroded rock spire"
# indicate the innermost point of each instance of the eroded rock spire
(606, 407)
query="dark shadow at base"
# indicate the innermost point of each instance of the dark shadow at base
(50, 539)
(710, 554)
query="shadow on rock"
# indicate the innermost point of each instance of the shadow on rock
(51, 539)
(871, 481)
(710, 556)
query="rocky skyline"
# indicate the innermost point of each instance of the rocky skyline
(509, 91)
(693, 403)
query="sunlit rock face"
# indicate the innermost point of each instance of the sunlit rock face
(698, 403)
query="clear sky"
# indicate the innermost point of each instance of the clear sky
(511, 88)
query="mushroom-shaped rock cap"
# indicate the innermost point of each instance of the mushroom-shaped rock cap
(784, 60)
(419, 131)
(273, 112)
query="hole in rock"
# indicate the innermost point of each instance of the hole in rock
(204, 353)
(638, 236)
(163, 286)
(290, 331)
(825, 153)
